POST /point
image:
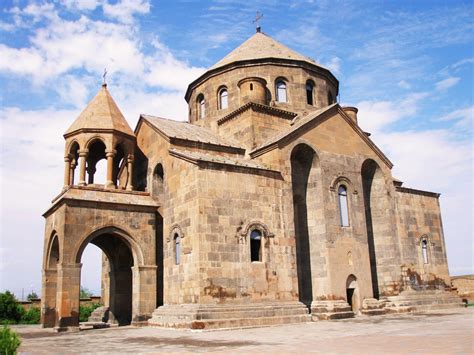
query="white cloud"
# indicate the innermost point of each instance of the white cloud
(377, 115)
(124, 10)
(81, 4)
(447, 83)
(464, 117)
(334, 65)
(404, 84)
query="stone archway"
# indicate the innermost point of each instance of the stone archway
(121, 260)
(352, 293)
(50, 279)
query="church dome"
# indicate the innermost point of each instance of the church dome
(294, 82)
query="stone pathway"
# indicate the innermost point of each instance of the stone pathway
(441, 332)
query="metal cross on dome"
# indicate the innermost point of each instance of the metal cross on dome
(104, 75)
(258, 17)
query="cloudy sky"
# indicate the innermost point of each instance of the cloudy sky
(407, 66)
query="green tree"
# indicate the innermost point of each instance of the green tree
(85, 293)
(10, 310)
(32, 295)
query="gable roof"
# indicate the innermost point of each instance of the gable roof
(261, 46)
(101, 113)
(185, 131)
(195, 157)
(312, 117)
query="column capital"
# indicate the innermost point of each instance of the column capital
(67, 158)
(83, 152)
(110, 153)
(130, 158)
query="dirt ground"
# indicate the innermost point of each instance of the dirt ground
(441, 332)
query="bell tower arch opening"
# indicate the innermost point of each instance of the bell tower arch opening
(304, 163)
(119, 279)
(96, 163)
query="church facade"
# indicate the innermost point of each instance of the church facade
(270, 205)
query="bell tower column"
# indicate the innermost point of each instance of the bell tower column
(67, 171)
(130, 160)
(110, 154)
(82, 166)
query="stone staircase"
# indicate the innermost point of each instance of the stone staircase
(418, 301)
(332, 309)
(229, 316)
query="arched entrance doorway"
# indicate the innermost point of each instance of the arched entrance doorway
(304, 164)
(118, 296)
(352, 293)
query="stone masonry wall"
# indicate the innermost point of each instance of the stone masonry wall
(419, 216)
(229, 201)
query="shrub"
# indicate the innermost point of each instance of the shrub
(86, 310)
(31, 316)
(10, 310)
(9, 341)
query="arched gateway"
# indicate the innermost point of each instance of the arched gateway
(123, 223)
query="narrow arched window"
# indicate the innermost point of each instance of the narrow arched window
(223, 99)
(281, 91)
(309, 92)
(330, 98)
(424, 251)
(177, 249)
(343, 209)
(255, 245)
(201, 106)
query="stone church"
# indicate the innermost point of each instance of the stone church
(270, 205)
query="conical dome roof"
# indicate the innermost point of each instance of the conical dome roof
(261, 46)
(102, 113)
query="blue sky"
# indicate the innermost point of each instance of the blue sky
(407, 66)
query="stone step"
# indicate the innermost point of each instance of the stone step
(228, 316)
(332, 315)
(248, 322)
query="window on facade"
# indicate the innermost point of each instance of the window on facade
(223, 99)
(424, 251)
(177, 249)
(201, 106)
(255, 245)
(343, 209)
(281, 91)
(330, 98)
(309, 92)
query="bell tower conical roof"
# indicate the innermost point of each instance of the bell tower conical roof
(102, 113)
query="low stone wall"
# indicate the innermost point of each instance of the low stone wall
(36, 302)
(465, 286)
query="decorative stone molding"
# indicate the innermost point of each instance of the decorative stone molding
(175, 229)
(341, 179)
(428, 238)
(244, 231)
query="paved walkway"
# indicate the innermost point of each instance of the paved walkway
(442, 332)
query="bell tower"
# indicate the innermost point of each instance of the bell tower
(100, 132)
